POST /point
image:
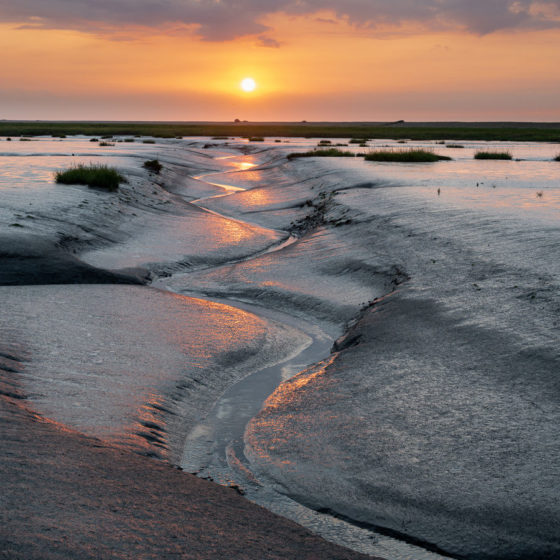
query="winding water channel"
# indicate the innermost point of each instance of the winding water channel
(214, 449)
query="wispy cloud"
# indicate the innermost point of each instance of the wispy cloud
(264, 41)
(220, 20)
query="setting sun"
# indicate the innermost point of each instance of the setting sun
(248, 84)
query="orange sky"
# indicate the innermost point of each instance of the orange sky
(322, 68)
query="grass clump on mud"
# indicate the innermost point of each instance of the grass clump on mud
(405, 156)
(557, 158)
(330, 152)
(153, 165)
(96, 176)
(492, 155)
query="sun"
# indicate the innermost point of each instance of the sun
(248, 85)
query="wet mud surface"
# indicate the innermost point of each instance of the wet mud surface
(67, 496)
(433, 421)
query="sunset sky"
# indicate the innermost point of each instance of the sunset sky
(333, 60)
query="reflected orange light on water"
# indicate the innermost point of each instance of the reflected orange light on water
(232, 330)
(258, 197)
(229, 327)
(244, 165)
(286, 392)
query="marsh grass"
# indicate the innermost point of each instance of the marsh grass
(455, 146)
(330, 152)
(256, 139)
(106, 144)
(93, 175)
(153, 165)
(148, 141)
(405, 156)
(129, 140)
(521, 132)
(492, 155)
(557, 158)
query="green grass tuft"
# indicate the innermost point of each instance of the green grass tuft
(106, 144)
(455, 145)
(492, 155)
(557, 158)
(100, 176)
(256, 139)
(153, 165)
(148, 141)
(405, 156)
(330, 152)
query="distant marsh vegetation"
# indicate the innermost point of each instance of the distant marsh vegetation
(483, 154)
(93, 175)
(537, 132)
(405, 156)
(330, 152)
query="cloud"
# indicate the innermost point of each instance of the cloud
(220, 20)
(264, 41)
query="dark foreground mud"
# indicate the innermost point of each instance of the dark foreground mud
(68, 496)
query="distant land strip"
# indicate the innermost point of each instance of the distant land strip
(499, 131)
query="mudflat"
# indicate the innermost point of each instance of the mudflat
(65, 495)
